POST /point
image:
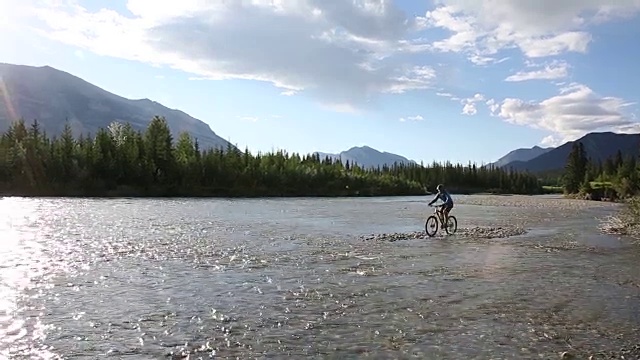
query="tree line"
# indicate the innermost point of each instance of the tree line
(121, 161)
(616, 177)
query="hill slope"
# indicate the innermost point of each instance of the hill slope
(366, 156)
(522, 155)
(598, 146)
(52, 97)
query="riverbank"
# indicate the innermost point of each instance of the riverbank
(130, 192)
(626, 222)
(219, 192)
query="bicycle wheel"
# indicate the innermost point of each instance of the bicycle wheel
(452, 225)
(431, 226)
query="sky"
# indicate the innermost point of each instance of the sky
(432, 80)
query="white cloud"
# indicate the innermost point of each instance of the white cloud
(418, 77)
(412, 118)
(475, 98)
(481, 28)
(555, 70)
(576, 111)
(551, 141)
(493, 106)
(448, 95)
(13, 13)
(469, 109)
(249, 118)
(340, 52)
(470, 104)
(341, 107)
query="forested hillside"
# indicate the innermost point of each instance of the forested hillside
(617, 176)
(120, 161)
(597, 146)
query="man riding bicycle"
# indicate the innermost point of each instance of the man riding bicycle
(446, 199)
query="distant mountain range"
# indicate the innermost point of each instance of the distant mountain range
(53, 97)
(598, 146)
(366, 157)
(521, 155)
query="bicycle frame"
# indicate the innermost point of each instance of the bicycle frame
(439, 213)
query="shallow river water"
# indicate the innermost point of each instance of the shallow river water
(294, 278)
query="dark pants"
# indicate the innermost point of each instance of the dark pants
(446, 208)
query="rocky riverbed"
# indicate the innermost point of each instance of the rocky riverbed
(476, 232)
(552, 202)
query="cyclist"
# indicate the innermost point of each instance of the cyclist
(446, 200)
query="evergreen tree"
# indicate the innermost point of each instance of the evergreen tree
(585, 186)
(609, 167)
(576, 168)
(618, 159)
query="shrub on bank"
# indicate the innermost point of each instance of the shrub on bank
(596, 194)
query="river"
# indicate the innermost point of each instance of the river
(293, 278)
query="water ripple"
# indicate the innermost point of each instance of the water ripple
(153, 279)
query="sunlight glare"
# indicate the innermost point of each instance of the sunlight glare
(21, 261)
(4, 14)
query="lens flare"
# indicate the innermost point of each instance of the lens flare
(5, 97)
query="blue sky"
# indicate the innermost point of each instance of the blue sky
(459, 80)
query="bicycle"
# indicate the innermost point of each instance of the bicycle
(438, 219)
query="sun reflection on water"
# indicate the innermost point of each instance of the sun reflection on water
(22, 265)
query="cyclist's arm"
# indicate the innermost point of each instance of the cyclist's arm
(435, 199)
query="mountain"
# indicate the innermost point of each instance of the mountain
(598, 146)
(366, 156)
(52, 97)
(521, 155)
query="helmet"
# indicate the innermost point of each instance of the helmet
(440, 187)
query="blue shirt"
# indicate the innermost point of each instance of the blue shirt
(444, 196)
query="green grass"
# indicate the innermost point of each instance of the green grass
(600, 184)
(553, 189)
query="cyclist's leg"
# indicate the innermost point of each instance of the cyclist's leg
(445, 210)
